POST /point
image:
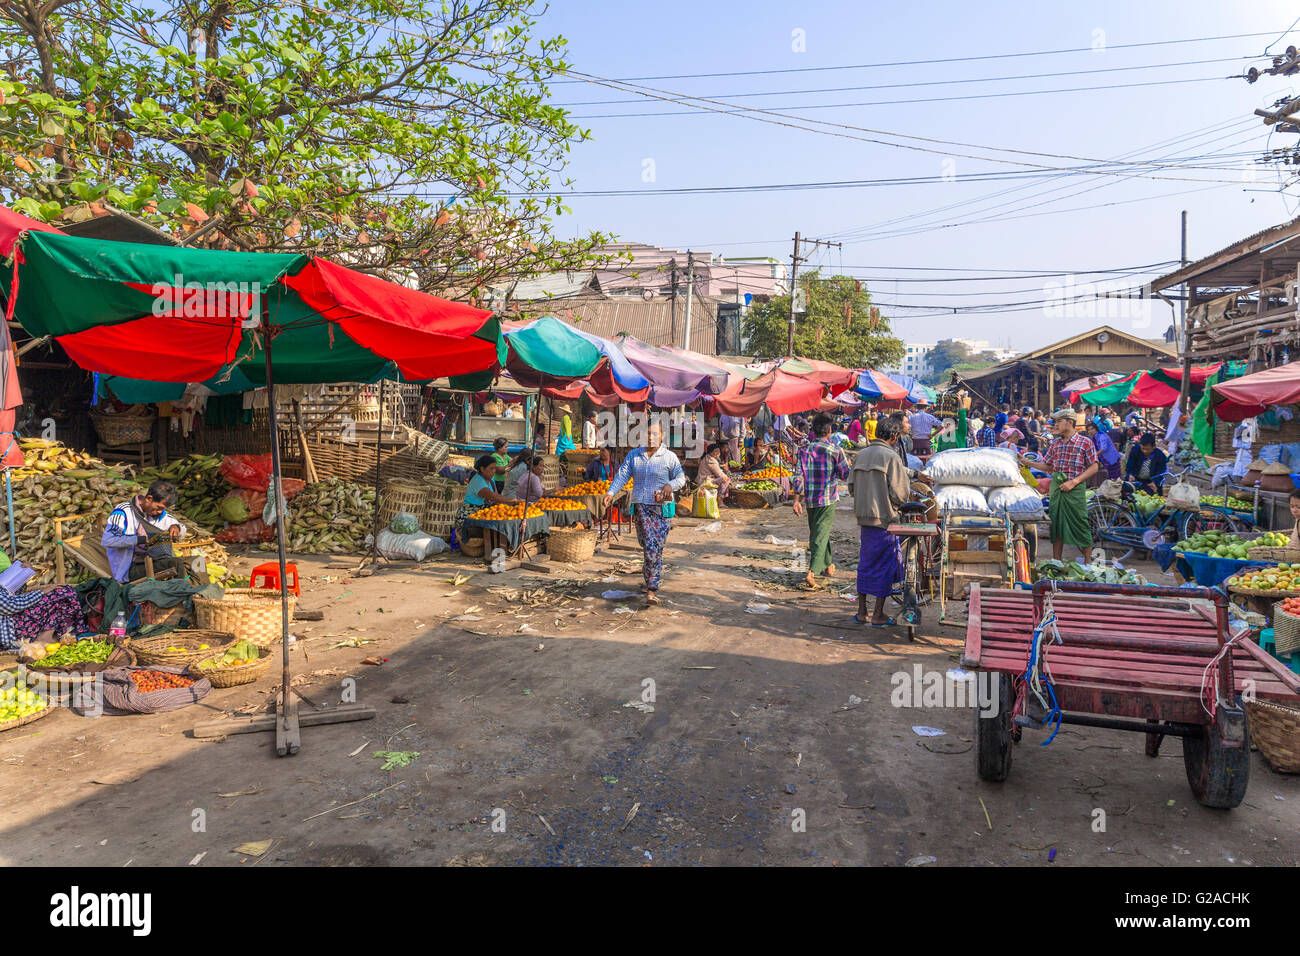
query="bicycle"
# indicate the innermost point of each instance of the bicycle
(1121, 522)
(918, 561)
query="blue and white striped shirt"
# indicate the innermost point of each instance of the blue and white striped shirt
(648, 474)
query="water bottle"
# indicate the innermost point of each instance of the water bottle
(118, 631)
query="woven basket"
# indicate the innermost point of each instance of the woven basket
(402, 495)
(740, 498)
(430, 449)
(571, 545)
(472, 547)
(580, 456)
(1257, 592)
(575, 473)
(1275, 730)
(366, 413)
(153, 650)
(127, 428)
(10, 725)
(550, 472)
(1280, 555)
(243, 674)
(440, 507)
(1286, 630)
(247, 613)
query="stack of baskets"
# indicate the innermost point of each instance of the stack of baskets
(1275, 730)
(571, 545)
(442, 501)
(430, 449)
(364, 413)
(403, 495)
(576, 461)
(248, 613)
(131, 427)
(550, 473)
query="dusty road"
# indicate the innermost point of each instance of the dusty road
(553, 727)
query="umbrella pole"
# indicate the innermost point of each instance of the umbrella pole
(373, 553)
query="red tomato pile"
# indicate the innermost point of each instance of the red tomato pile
(1292, 606)
(149, 681)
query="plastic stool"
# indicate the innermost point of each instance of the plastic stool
(268, 576)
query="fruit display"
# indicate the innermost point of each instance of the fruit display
(507, 513)
(149, 681)
(243, 652)
(85, 651)
(585, 488)
(330, 517)
(1282, 577)
(1216, 544)
(1270, 539)
(766, 485)
(771, 471)
(560, 504)
(17, 699)
(583, 451)
(200, 487)
(1233, 503)
(1148, 504)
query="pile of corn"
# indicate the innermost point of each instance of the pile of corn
(58, 482)
(329, 517)
(199, 486)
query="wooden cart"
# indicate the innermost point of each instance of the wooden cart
(992, 566)
(1130, 658)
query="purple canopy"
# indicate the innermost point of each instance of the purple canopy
(674, 379)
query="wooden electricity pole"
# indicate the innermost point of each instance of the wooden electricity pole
(794, 278)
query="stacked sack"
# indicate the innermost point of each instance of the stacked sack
(982, 481)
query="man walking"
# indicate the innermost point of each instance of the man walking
(1072, 460)
(879, 485)
(733, 430)
(819, 468)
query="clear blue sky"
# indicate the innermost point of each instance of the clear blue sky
(1065, 222)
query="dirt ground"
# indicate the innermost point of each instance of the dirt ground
(553, 727)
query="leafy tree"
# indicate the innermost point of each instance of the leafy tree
(391, 134)
(838, 326)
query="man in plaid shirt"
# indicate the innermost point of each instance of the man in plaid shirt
(819, 468)
(1072, 460)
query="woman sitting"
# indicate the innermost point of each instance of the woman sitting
(529, 489)
(518, 468)
(712, 469)
(762, 455)
(47, 614)
(481, 491)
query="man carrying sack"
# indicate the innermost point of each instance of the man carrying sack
(1072, 459)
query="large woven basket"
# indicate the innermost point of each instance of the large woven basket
(550, 472)
(1257, 592)
(10, 725)
(571, 545)
(125, 428)
(575, 473)
(153, 650)
(440, 507)
(472, 547)
(243, 674)
(1286, 630)
(580, 456)
(1280, 555)
(740, 498)
(1275, 730)
(248, 613)
(402, 495)
(430, 449)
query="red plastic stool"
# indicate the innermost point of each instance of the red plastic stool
(268, 576)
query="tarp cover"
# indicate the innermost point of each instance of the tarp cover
(1249, 395)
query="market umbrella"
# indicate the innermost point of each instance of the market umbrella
(1159, 388)
(1084, 383)
(188, 314)
(828, 373)
(916, 392)
(782, 393)
(1250, 395)
(877, 387)
(675, 379)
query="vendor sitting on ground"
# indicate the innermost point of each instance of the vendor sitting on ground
(41, 614)
(762, 455)
(600, 468)
(1146, 465)
(142, 528)
(481, 491)
(712, 469)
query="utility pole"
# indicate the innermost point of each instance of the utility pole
(690, 294)
(1186, 389)
(794, 277)
(672, 264)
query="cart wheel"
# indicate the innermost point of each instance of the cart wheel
(993, 735)
(1218, 775)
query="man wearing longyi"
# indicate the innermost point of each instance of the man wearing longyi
(1072, 460)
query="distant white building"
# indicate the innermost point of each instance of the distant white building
(915, 361)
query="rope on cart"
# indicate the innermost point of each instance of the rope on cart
(1210, 677)
(1038, 677)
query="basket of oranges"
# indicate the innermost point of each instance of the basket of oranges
(564, 512)
(771, 473)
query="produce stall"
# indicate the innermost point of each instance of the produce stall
(1211, 557)
(509, 527)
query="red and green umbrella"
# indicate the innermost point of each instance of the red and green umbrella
(1155, 389)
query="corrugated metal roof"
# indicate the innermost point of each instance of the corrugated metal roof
(651, 320)
(552, 285)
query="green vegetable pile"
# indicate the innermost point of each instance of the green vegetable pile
(760, 486)
(200, 486)
(241, 652)
(82, 652)
(1053, 570)
(1234, 504)
(1216, 544)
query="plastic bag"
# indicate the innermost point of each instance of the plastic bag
(1022, 504)
(246, 533)
(961, 500)
(1184, 495)
(247, 471)
(706, 504)
(1110, 488)
(416, 547)
(982, 467)
(404, 523)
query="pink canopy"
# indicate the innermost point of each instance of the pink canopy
(1249, 395)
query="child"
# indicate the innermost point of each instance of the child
(1295, 513)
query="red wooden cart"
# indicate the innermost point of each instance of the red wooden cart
(1147, 659)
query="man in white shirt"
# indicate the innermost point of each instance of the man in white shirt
(589, 430)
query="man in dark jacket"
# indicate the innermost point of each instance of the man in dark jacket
(1146, 465)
